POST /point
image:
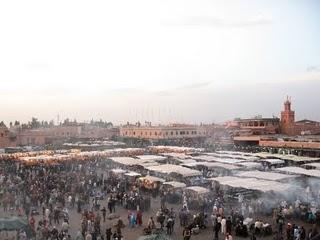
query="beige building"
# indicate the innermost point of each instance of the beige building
(7, 139)
(172, 131)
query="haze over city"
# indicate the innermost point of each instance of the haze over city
(161, 61)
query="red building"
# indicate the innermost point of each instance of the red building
(290, 127)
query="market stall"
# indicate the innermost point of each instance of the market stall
(175, 172)
(272, 163)
(173, 191)
(195, 196)
(130, 179)
(214, 169)
(151, 184)
(232, 186)
(16, 224)
(273, 176)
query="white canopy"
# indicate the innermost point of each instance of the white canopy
(197, 189)
(313, 165)
(288, 157)
(216, 159)
(129, 161)
(132, 174)
(301, 171)
(174, 149)
(251, 165)
(253, 184)
(213, 165)
(235, 155)
(273, 161)
(170, 168)
(175, 184)
(118, 171)
(186, 161)
(176, 155)
(151, 157)
(265, 175)
(152, 179)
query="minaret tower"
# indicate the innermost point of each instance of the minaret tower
(287, 117)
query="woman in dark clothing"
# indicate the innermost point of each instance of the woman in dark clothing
(108, 234)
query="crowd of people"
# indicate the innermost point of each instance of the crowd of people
(49, 195)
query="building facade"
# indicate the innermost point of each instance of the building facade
(7, 138)
(290, 127)
(49, 135)
(254, 126)
(173, 131)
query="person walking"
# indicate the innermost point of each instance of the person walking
(186, 233)
(169, 226)
(104, 213)
(108, 234)
(139, 218)
(223, 226)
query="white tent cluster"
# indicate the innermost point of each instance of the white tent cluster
(300, 171)
(130, 161)
(170, 168)
(253, 184)
(272, 176)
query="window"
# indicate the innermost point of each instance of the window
(155, 133)
(187, 132)
(134, 133)
(177, 133)
(171, 133)
(1, 134)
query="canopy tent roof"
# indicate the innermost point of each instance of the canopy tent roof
(186, 161)
(175, 149)
(300, 171)
(236, 153)
(213, 165)
(216, 159)
(94, 144)
(251, 165)
(312, 165)
(15, 224)
(148, 164)
(170, 168)
(231, 155)
(288, 157)
(252, 184)
(132, 174)
(177, 155)
(129, 161)
(197, 189)
(152, 179)
(151, 157)
(273, 161)
(175, 184)
(265, 175)
(118, 171)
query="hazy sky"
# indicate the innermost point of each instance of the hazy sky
(186, 61)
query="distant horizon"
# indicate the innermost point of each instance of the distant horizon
(124, 122)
